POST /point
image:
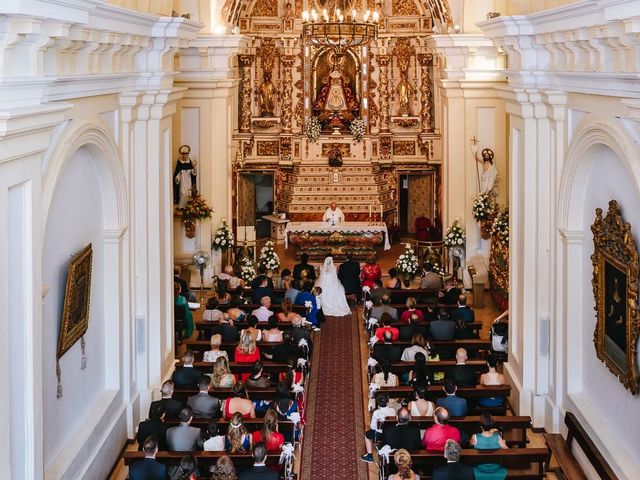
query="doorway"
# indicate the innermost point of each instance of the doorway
(417, 198)
(255, 200)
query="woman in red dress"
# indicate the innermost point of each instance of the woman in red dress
(247, 351)
(370, 273)
(269, 434)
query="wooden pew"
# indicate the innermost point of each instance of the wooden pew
(477, 349)
(479, 366)
(275, 308)
(400, 296)
(254, 394)
(475, 327)
(236, 368)
(521, 463)
(470, 424)
(285, 427)
(241, 325)
(200, 346)
(561, 449)
(205, 459)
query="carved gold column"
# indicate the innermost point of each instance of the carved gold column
(287, 88)
(425, 91)
(383, 61)
(245, 107)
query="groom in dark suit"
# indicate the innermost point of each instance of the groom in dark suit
(349, 275)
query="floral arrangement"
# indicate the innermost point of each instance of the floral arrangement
(436, 268)
(407, 263)
(500, 229)
(455, 235)
(268, 257)
(223, 237)
(357, 129)
(247, 270)
(312, 129)
(196, 209)
(483, 207)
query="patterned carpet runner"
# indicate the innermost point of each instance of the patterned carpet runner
(334, 432)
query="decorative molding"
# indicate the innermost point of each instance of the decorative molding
(404, 148)
(287, 88)
(245, 106)
(269, 148)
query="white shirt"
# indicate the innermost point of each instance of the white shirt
(333, 217)
(263, 314)
(214, 444)
(379, 415)
(409, 354)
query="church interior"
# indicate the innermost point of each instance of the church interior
(488, 144)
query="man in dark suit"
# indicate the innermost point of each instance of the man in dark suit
(262, 290)
(453, 470)
(378, 291)
(262, 274)
(463, 312)
(228, 331)
(463, 374)
(298, 332)
(387, 349)
(442, 329)
(259, 471)
(184, 437)
(171, 405)
(408, 331)
(349, 275)
(155, 427)
(303, 271)
(403, 434)
(187, 376)
(456, 406)
(450, 294)
(203, 404)
(149, 468)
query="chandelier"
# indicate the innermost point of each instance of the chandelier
(338, 32)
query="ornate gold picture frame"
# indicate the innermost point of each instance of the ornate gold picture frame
(615, 287)
(77, 295)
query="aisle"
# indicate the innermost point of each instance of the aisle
(334, 432)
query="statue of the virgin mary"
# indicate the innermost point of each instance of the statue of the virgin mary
(336, 97)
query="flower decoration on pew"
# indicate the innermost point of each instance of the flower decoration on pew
(373, 388)
(302, 361)
(357, 129)
(294, 418)
(308, 304)
(287, 456)
(303, 343)
(408, 264)
(366, 289)
(373, 340)
(247, 270)
(500, 229)
(268, 257)
(223, 238)
(297, 388)
(483, 207)
(455, 235)
(384, 453)
(371, 362)
(372, 322)
(368, 304)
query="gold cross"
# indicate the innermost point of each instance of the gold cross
(474, 140)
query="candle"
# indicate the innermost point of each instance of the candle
(380, 213)
(369, 212)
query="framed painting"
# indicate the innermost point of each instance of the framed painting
(615, 287)
(77, 295)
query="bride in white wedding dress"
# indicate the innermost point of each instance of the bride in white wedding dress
(334, 301)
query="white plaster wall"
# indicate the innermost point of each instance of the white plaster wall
(75, 219)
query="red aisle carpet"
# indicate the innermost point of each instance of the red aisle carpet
(334, 432)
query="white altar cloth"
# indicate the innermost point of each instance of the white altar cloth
(351, 227)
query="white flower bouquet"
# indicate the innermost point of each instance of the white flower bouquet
(455, 235)
(312, 129)
(268, 257)
(223, 238)
(500, 229)
(436, 268)
(357, 129)
(483, 207)
(407, 264)
(247, 270)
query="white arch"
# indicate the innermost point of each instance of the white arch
(97, 139)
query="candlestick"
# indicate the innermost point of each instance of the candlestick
(381, 213)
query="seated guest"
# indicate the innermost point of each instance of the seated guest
(298, 332)
(402, 459)
(238, 437)
(453, 470)
(257, 379)
(287, 351)
(456, 406)
(386, 320)
(411, 309)
(252, 322)
(182, 312)
(247, 351)
(261, 291)
(489, 438)
(239, 403)
(407, 331)
(420, 376)
(492, 377)
(385, 307)
(222, 376)
(187, 376)
(374, 433)
(463, 312)
(262, 274)
(263, 313)
(285, 279)
(378, 291)
(203, 404)
(464, 332)
(449, 295)
(259, 471)
(187, 470)
(292, 292)
(214, 441)
(155, 427)
(420, 406)
(371, 273)
(317, 292)
(303, 272)
(385, 378)
(387, 349)
(211, 312)
(228, 331)
(184, 286)
(442, 329)
(417, 346)
(223, 470)
(306, 296)
(393, 282)
(231, 278)
(149, 468)
(273, 334)
(215, 352)
(430, 279)
(403, 434)
(234, 313)
(171, 405)
(269, 435)
(437, 435)
(184, 438)
(283, 405)
(286, 313)
(463, 374)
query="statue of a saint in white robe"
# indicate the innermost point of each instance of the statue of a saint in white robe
(489, 174)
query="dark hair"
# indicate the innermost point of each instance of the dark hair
(239, 390)
(378, 282)
(212, 428)
(386, 318)
(421, 375)
(383, 399)
(295, 284)
(492, 361)
(235, 301)
(486, 422)
(185, 414)
(450, 386)
(259, 452)
(285, 272)
(393, 273)
(385, 366)
(308, 286)
(421, 392)
(256, 368)
(273, 321)
(188, 465)
(252, 321)
(283, 397)
(204, 382)
(212, 303)
(262, 270)
(150, 444)
(156, 411)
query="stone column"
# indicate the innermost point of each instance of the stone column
(245, 113)
(425, 91)
(383, 61)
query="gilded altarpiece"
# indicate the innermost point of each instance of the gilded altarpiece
(388, 84)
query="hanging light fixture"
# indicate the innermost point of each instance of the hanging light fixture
(338, 31)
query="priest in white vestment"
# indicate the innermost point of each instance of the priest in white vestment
(333, 215)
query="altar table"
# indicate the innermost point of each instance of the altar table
(352, 235)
